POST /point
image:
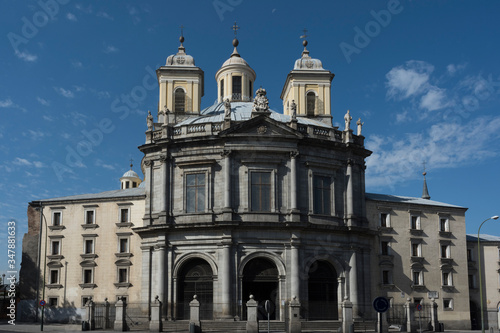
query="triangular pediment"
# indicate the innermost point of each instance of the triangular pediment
(261, 126)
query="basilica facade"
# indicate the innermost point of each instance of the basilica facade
(240, 200)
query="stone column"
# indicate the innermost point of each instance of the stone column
(252, 323)
(160, 271)
(353, 282)
(120, 324)
(295, 326)
(164, 189)
(349, 194)
(91, 314)
(294, 268)
(363, 201)
(293, 180)
(225, 278)
(410, 316)
(347, 318)
(227, 211)
(145, 273)
(170, 294)
(434, 316)
(149, 192)
(194, 314)
(155, 325)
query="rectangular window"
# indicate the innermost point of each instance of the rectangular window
(195, 192)
(236, 86)
(384, 220)
(416, 250)
(415, 222)
(55, 248)
(52, 301)
(445, 251)
(447, 279)
(250, 89)
(54, 276)
(88, 246)
(124, 215)
(386, 277)
(261, 191)
(471, 281)
(87, 275)
(444, 224)
(222, 88)
(56, 218)
(469, 255)
(448, 304)
(85, 299)
(89, 217)
(122, 275)
(417, 278)
(123, 245)
(321, 195)
(384, 248)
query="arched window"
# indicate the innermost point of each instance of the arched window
(311, 103)
(180, 100)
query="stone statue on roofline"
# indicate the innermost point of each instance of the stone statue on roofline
(294, 110)
(260, 102)
(149, 120)
(347, 119)
(360, 124)
(227, 109)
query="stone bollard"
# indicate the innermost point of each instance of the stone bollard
(120, 323)
(295, 326)
(434, 316)
(347, 320)
(91, 314)
(252, 323)
(155, 325)
(194, 315)
(410, 316)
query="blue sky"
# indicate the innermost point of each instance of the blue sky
(424, 76)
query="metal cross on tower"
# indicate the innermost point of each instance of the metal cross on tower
(235, 28)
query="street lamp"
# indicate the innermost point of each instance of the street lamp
(479, 264)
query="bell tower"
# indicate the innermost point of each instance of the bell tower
(308, 85)
(181, 83)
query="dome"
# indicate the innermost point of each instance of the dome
(235, 61)
(306, 62)
(130, 173)
(180, 59)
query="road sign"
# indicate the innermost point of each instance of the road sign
(42, 302)
(267, 306)
(419, 307)
(381, 304)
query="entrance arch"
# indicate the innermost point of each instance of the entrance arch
(195, 278)
(322, 291)
(261, 279)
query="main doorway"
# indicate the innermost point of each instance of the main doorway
(261, 279)
(322, 287)
(195, 278)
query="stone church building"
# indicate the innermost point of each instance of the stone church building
(240, 200)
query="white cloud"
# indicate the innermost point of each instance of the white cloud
(77, 64)
(101, 164)
(21, 162)
(48, 118)
(71, 17)
(26, 56)
(35, 135)
(38, 164)
(444, 145)
(43, 101)
(434, 99)
(452, 69)
(408, 80)
(65, 136)
(110, 49)
(105, 15)
(6, 104)
(64, 92)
